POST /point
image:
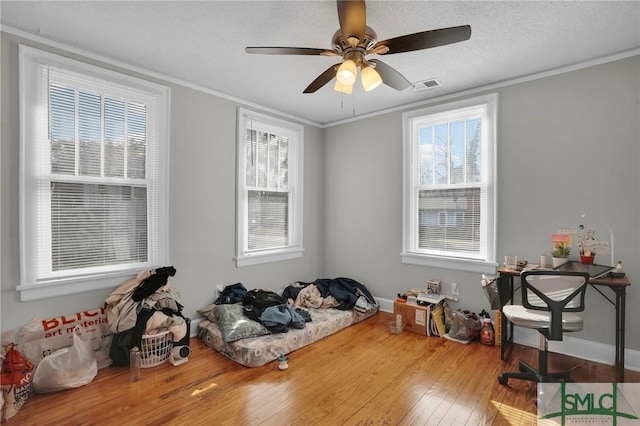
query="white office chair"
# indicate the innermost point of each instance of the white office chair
(549, 300)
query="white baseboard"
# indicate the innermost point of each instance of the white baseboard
(579, 348)
(194, 327)
(386, 305)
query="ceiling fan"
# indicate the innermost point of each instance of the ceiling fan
(354, 40)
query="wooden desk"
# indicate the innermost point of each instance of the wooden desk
(617, 285)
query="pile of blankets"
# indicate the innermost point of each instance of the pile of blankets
(339, 293)
(266, 307)
(280, 312)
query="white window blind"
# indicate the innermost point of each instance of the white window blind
(267, 174)
(449, 184)
(93, 184)
(269, 189)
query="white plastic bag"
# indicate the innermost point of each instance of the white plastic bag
(67, 368)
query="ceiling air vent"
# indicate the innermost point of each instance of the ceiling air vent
(431, 83)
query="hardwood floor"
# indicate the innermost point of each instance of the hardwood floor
(361, 375)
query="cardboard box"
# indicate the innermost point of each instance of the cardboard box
(414, 317)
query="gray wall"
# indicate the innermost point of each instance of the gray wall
(567, 145)
(202, 204)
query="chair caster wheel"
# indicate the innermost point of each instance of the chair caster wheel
(502, 380)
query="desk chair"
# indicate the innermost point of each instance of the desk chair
(549, 300)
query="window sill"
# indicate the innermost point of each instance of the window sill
(268, 257)
(57, 288)
(467, 265)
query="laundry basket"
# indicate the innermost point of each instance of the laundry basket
(156, 348)
(490, 288)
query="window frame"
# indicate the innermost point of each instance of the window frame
(248, 119)
(410, 254)
(35, 65)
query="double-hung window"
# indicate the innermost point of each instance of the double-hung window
(269, 197)
(449, 185)
(93, 176)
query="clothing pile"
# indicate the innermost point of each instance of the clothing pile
(266, 307)
(339, 293)
(280, 312)
(272, 310)
(143, 305)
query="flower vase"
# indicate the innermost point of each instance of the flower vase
(557, 261)
(587, 260)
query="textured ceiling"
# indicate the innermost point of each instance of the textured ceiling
(203, 43)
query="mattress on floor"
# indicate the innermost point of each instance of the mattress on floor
(257, 351)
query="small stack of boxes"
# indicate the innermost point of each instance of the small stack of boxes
(414, 317)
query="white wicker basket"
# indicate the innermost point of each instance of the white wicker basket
(156, 348)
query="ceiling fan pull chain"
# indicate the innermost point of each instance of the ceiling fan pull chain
(353, 106)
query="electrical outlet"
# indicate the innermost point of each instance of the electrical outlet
(567, 231)
(455, 289)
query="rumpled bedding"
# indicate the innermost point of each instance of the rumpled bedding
(313, 311)
(260, 350)
(280, 318)
(339, 293)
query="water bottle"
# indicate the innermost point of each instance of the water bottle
(135, 359)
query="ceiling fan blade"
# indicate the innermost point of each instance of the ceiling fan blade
(290, 51)
(352, 15)
(425, 39)
(390, 76)
(322, 79)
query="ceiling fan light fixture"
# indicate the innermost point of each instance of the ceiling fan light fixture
(354, 40)
(347, 72)
(370, 78)
(343, 88)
